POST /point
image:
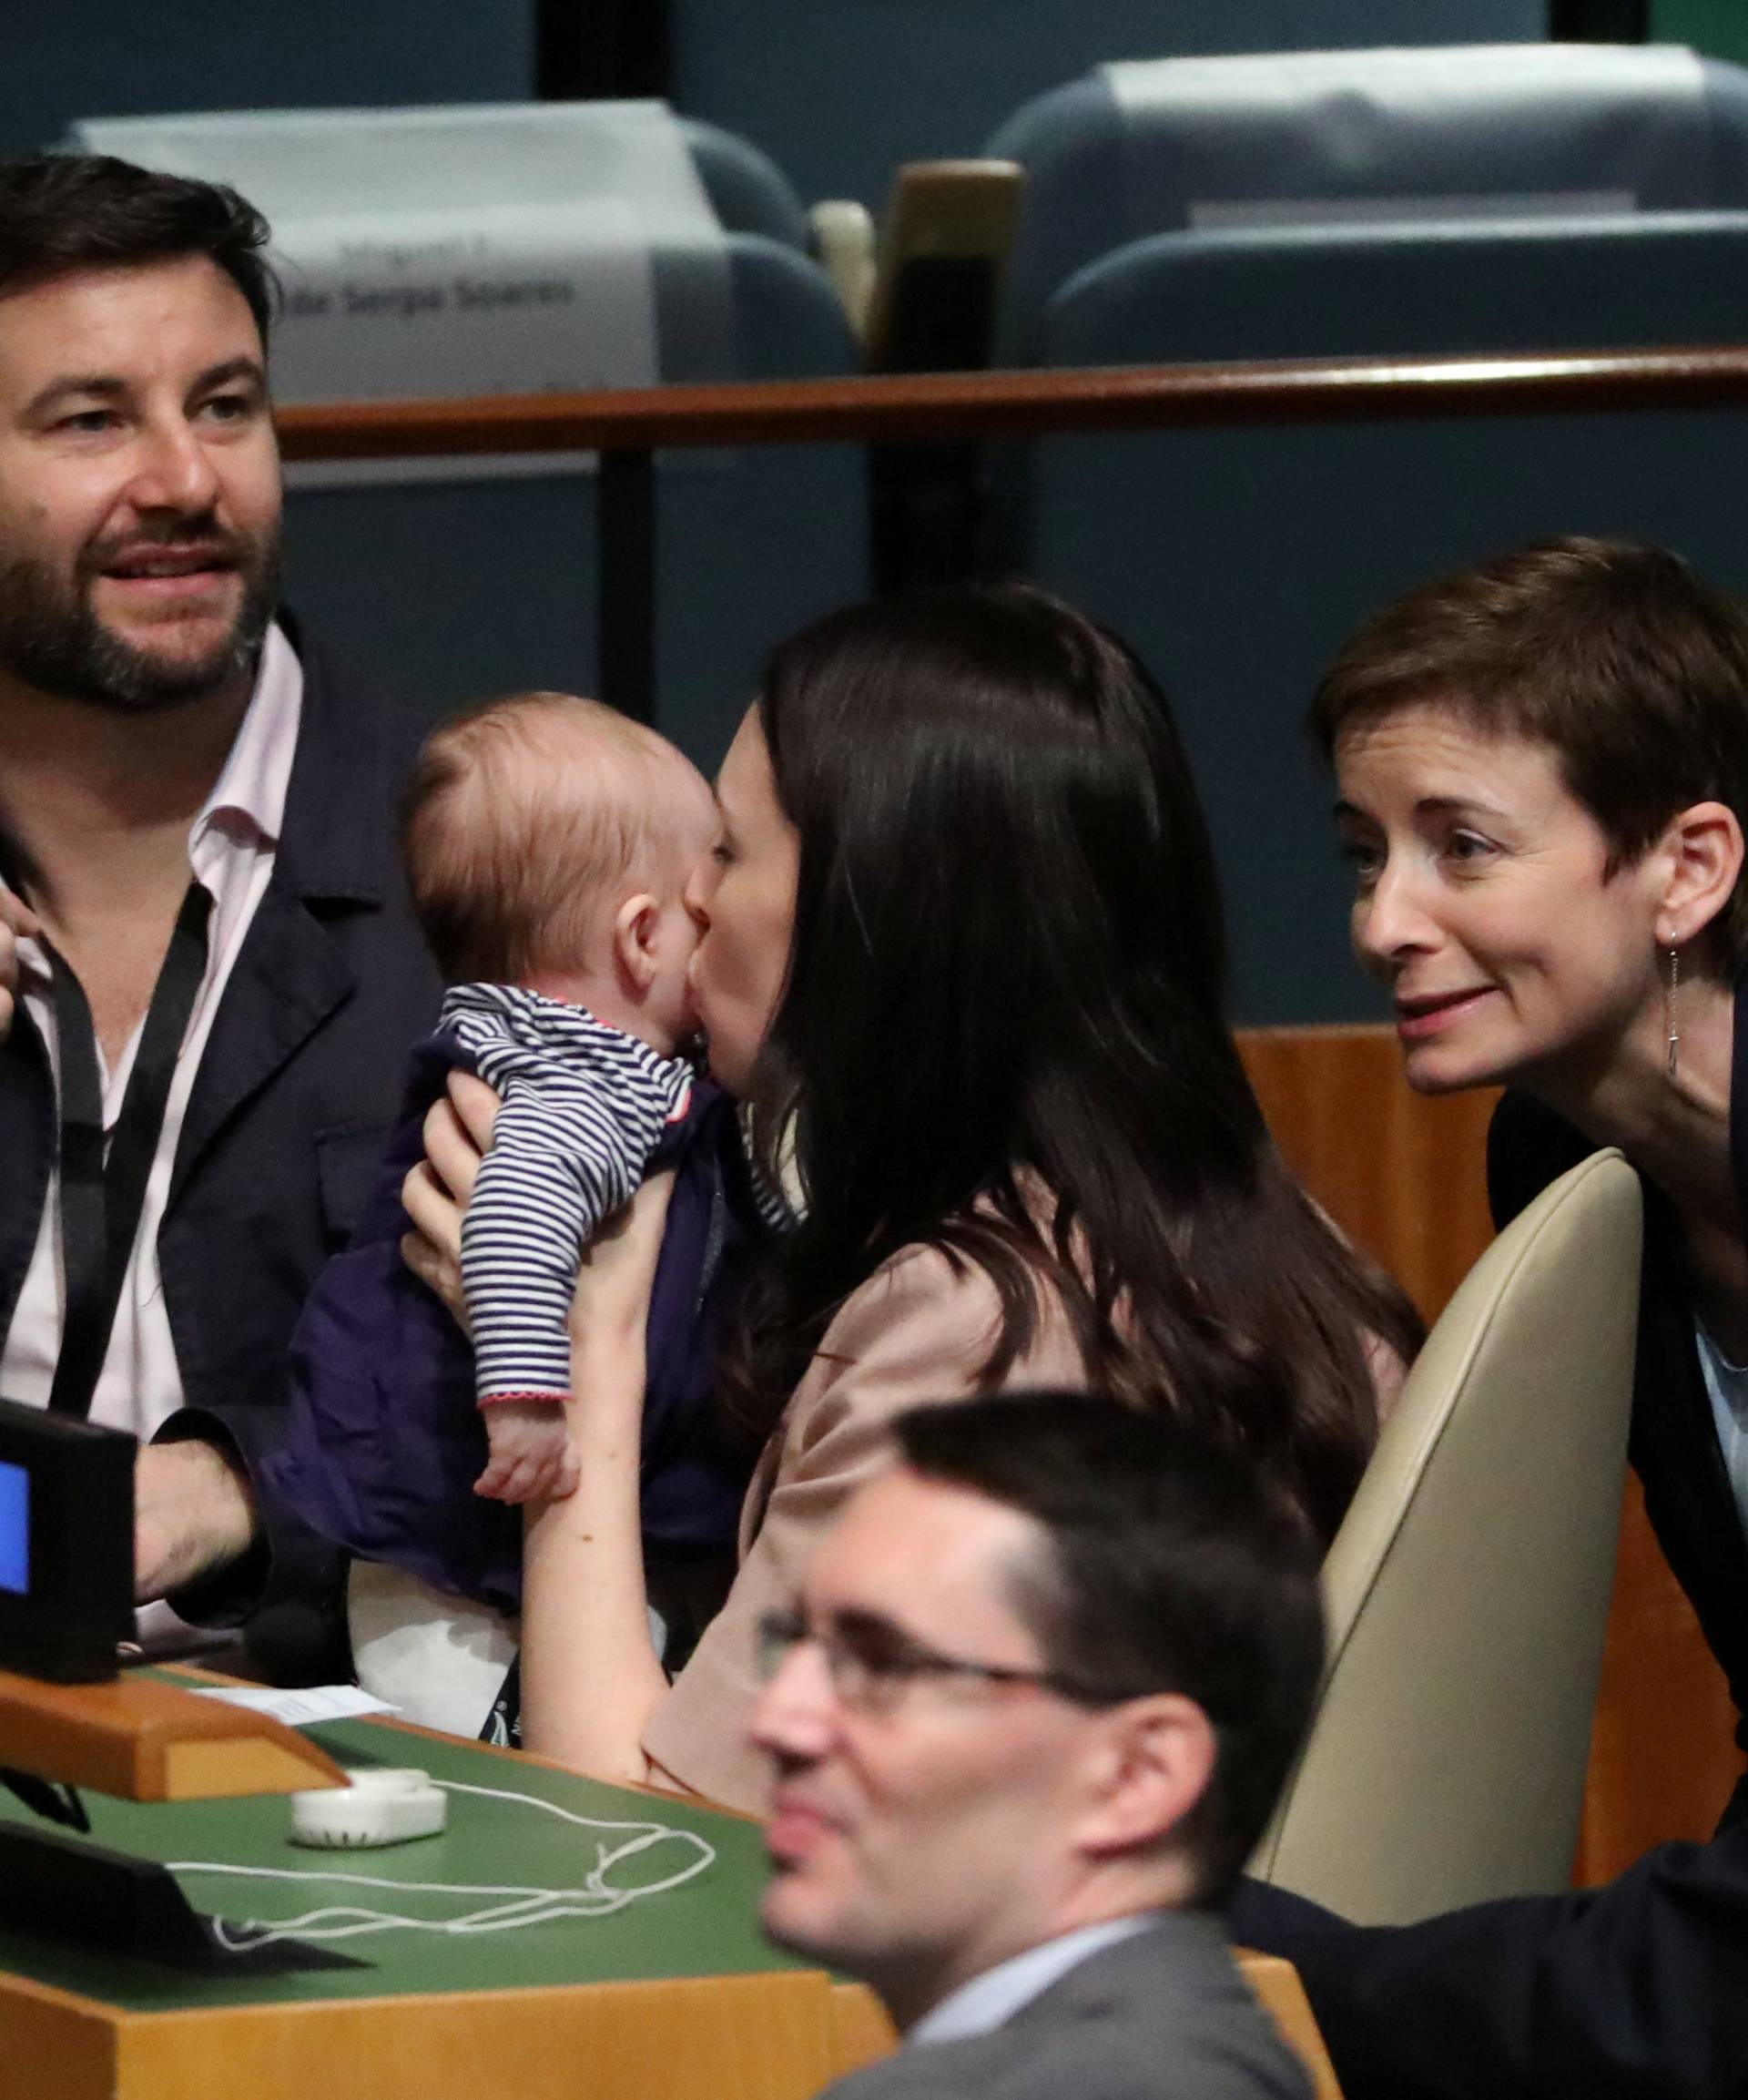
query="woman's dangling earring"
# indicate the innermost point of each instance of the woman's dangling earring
(1669, 1011)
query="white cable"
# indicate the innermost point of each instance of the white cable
(595, 1898)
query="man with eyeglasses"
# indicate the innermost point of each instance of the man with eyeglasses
(1028, 1718)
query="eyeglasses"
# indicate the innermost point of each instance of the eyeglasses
(872, 1664)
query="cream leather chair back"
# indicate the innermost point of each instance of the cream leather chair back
(1467, 1590)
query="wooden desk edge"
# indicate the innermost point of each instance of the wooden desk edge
(146, 1740)
(685, 1798)
(760, 2034)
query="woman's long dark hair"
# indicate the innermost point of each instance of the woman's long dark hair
(1003, 1034)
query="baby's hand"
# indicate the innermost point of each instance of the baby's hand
(532, 1457)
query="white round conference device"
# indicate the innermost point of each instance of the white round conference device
(378, 1808)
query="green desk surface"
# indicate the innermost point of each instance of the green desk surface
(708, 1928)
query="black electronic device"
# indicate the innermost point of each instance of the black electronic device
(53, 1884)
(67, 1545)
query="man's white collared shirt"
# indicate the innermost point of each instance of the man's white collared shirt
(991, 2000)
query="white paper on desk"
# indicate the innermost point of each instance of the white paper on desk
(303, 1709)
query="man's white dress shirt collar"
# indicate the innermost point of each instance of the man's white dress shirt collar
(237, 826)
(257, 773)
(989, 2001)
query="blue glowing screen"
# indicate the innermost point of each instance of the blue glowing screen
(15, 1529)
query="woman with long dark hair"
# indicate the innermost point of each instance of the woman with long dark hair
(962, 959)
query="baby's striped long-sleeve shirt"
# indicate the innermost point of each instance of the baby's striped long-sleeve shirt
(584, 1108)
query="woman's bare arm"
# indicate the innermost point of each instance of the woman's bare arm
(590, 1678)
(590, 1675)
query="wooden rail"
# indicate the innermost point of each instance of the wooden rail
(992, 405)
(630, 426)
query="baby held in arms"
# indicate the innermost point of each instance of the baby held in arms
(558, 920)
(548, 843)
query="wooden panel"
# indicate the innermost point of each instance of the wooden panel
(1282, 1995)
(861, 2030)
(40, 2027)
(764, 2037)
(1662, 1760)
(771, 2037)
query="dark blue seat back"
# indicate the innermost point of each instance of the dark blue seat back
(841, 91)
(1360, 138)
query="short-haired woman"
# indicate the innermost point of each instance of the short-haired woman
(1543, 781)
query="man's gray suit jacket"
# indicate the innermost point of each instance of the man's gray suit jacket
(1165, 2016)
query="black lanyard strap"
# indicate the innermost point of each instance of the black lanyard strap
(102, 1196)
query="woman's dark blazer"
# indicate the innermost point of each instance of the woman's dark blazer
(1640, 1988)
